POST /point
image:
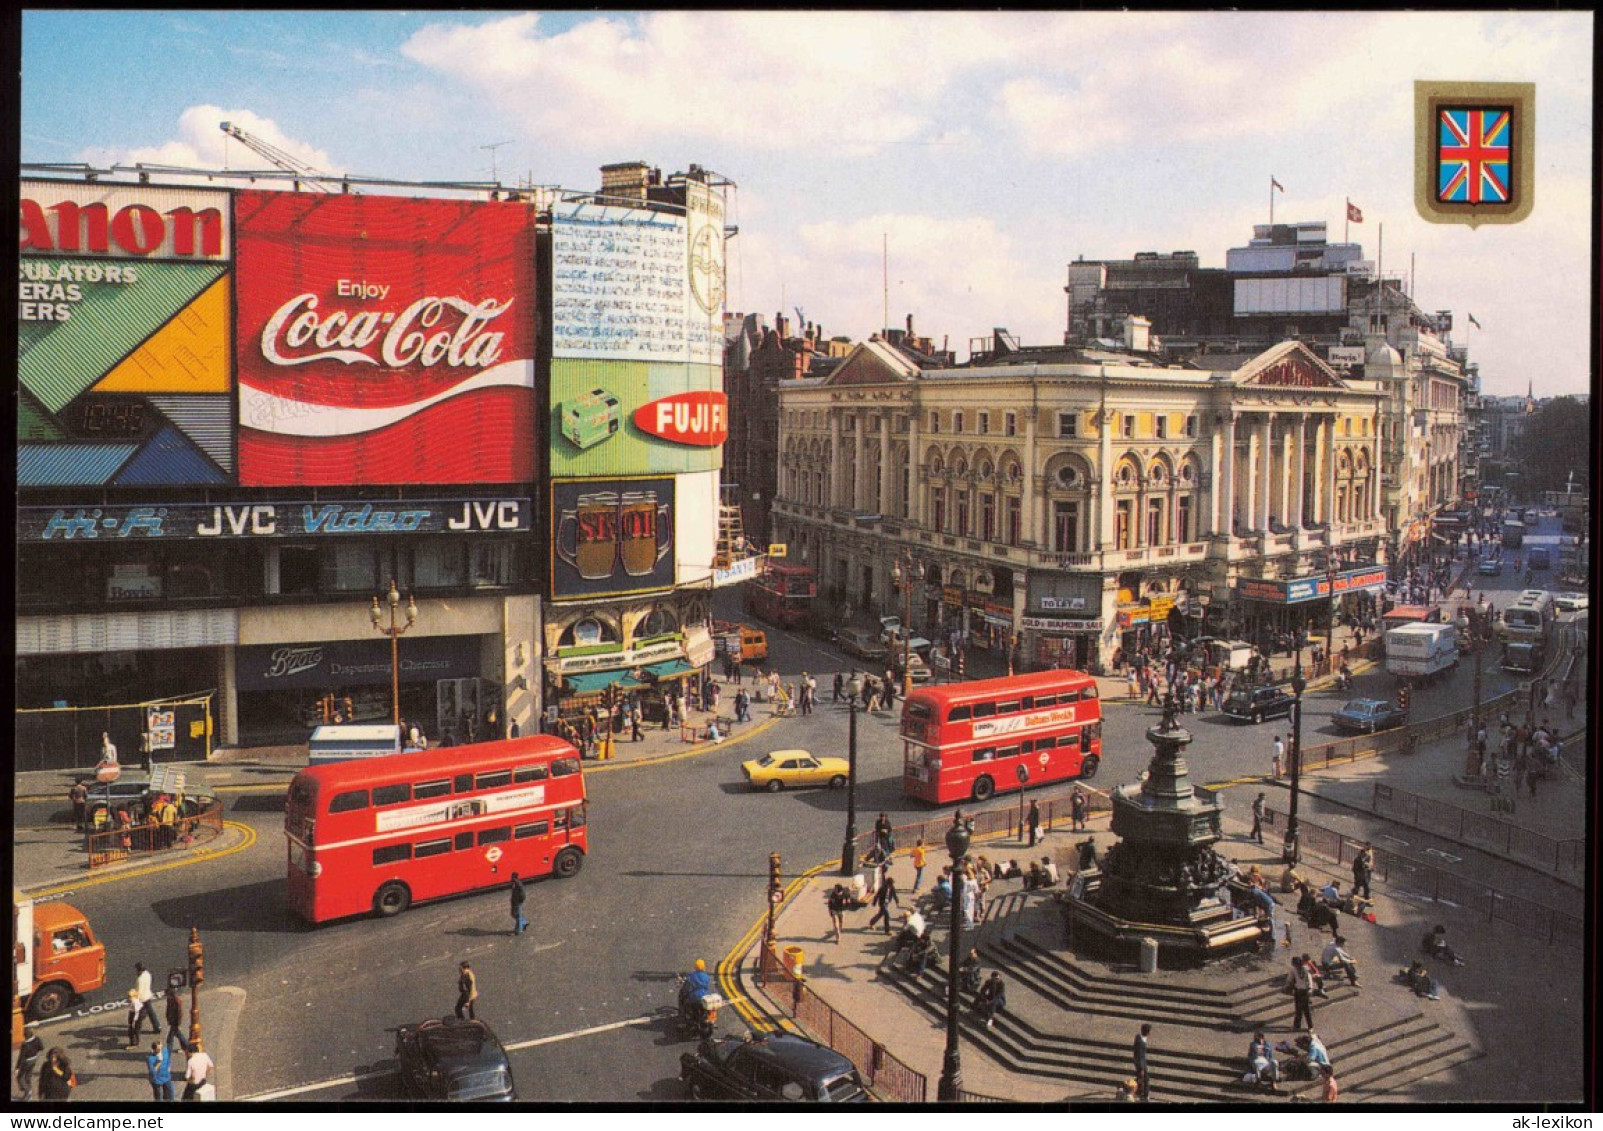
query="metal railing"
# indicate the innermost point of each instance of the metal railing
(149, 837)
(1480, 830)
(1414, 880)
(1056, 809)
(892, 1080)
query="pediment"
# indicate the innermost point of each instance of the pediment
(872, 363)
(1291, 365)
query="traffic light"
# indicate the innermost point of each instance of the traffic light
(1402, 697)
(197, 958)
(773, 867)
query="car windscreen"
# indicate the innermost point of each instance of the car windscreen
(481, 1085)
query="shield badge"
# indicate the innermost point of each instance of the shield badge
(1474, 152)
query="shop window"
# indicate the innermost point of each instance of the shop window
(297, 570)
(438, 564)
(490, 563)
(349, 568)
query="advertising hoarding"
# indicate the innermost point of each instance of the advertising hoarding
(384, 341)
(123, 334)
(283, 519)
(612, 536)
(637, 338)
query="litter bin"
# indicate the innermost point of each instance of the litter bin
(1149, 956)
(793, 958)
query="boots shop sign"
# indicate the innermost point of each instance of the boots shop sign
(384, 341)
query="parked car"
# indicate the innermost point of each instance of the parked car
(1570, 602)
(778, 769)
(1367, 716)
(770, 1067)
(862, 643)
(895, 644)
(1256, 704)
(921, 671)
(1490, 567)
(452, 1059)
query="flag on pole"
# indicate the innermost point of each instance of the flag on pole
(1354, 214)
(1474, 323)
(1277, 184)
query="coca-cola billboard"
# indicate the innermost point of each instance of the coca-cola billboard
(384, 341)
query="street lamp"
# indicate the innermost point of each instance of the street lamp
(1330, 627)
(914, 572)
(197, 975)
(1469, 623)
(1298, 685)
(848, 850)
(394, 632)
(957, 842)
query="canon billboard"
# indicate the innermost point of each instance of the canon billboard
(123, 336)
(384, 341)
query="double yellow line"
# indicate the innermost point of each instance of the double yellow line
(200, 856)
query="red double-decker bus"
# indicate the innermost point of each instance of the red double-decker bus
(783, 594)
(964, 741)
(380, 834)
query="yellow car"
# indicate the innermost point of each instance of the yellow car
(780, 768)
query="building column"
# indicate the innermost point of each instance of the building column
(859, 479)
(915, 480)
(1302, 472)
(832, 481)
(1330, 472)
(1029, 517)
(1284, 478)
(1216, 444)
(1104, 473)
(1227, 494)
(1320, 453)
(885, 465)
(1266, 456)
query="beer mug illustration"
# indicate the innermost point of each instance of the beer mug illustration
(645, 532)
(592, 548)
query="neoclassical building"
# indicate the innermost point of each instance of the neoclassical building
(1068, 500)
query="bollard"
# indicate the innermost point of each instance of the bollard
(794, 957)
(1149, 956)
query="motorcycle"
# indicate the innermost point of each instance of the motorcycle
(696, 1015)
(1344, 682)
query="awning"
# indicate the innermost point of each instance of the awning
(592, 683)
(672, 669)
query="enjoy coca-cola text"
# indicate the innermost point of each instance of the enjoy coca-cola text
(422, 333)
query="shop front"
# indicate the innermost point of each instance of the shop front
(1061, 642)
(1273, 610)
(285, 690)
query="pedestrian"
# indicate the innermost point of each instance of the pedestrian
(1330, 1092)
(1077, 809)
(992, 998)
(918, 857)
(467, 993)
(1336, 957)
(197, 1073)
(175, 1021)
(1278, 754)
(1257, 818)
(28, 1054)
(884, 836)
(1363, 871)
(1133, 683)
(159, 1071)
(840, 688)
(1033, 822)
(837, 902)
(1138, 1051)
(884, 897)
(1087, 849)
(634, 721)
(57, 1079)
(518, 895)
(1302, 994)
(145, 1003)
(79, 796)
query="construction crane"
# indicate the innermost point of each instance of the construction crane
(302, 171)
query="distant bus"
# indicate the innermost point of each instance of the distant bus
(1399, 615)
(783, 594)
(1529, 618)
(379, 834)
(1513, 534)
(965, 741)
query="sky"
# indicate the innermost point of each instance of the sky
(943, 166)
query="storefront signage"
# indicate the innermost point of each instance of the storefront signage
(1261, 589)
(272, 520)
(1067, 604)
(611, 536)
(1061, 624)
(1133, 614)
(354, 663)
(383, 340)
(1160, 607)
(699, 418)
(124, 221)
(620, 659)
(1301, 589)
(951, 595)
(743, 570)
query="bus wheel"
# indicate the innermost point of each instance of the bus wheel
(1088, 768)
(48, 1000)
(984, 789)
(837, 781)
(392, 899)
(567, 863)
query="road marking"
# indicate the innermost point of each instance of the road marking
(1447, 856)
(199, 857)
(699, 749)
(1393, 839)
(359, 1077)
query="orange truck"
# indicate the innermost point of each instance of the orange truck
(56, 953)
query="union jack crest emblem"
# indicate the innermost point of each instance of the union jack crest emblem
(1474, 151)
(1472, 155)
